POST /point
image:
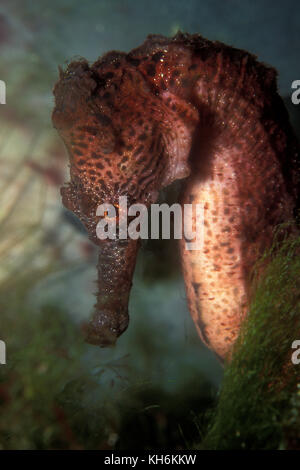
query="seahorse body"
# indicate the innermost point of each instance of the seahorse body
(180, 108)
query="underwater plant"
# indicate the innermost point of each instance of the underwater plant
(258, 404)
(171, 109)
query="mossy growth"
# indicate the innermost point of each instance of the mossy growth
(257, 406)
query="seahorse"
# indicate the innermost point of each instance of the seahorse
(181, 108)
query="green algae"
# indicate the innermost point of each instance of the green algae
(259, 388)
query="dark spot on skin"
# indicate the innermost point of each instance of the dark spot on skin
(133, 61)
(217, 267)
(175, 74)
(226, 211)
(192, 67)
(89, 129)
(142, 137)
(81, 162)
(108, 76)
(203, 52)
(81, 145)
(103, 119)
(109, 174)
(96, 155)
(78, 152)
(102, 183)
(163, 85)
(185, 82)
(123, 186)
(124, 159)
(100, 166)
(151, 71)
(196, 286)
(156, 57)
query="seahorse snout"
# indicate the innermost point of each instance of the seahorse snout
(106, 326)
(116, 265)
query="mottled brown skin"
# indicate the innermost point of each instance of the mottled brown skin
(171, 109)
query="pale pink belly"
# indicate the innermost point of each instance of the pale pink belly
(214, 277)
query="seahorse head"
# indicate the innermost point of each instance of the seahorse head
(122, 134)
(126, 135)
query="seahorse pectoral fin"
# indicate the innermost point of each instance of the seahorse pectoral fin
(116, 265)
